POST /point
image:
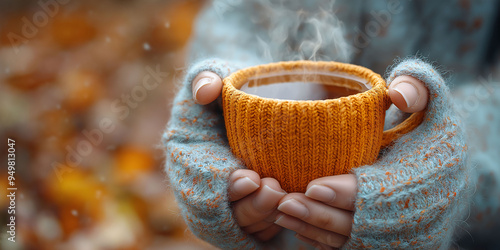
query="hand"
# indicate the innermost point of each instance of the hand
(254, 203)
(407, 93)
(323, 215)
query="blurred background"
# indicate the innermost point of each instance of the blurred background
(85, 93)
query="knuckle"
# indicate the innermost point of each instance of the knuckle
(330, 240)
(301, 228)
(272, 217)
(237, 173)
(325, 222)
(244, 215)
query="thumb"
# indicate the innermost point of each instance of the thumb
(242, 182)
(337, 191)
(206, 87)
(409, 94)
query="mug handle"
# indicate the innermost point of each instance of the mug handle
(399, 130)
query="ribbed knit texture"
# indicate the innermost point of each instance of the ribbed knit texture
(199, 162)
(396, 205)
(417, 192)
(296, 142)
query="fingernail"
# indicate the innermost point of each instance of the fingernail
(288, 222)
(294, 208)
(244, 185)
(202, 82)
(409, 93)
(267, 199)
(321, 193)
(279, 219)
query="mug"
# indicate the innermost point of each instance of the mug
(298, 141)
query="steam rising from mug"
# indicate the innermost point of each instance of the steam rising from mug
(287, 30)
(297, 31)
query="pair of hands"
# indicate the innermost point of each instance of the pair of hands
(323, 215)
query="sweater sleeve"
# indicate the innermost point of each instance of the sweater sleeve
(199, 162)
(198, 157)
(417, 192)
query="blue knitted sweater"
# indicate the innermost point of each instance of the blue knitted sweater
(423, 192)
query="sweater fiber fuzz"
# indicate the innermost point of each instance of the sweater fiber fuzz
(412, 197)
(417, 194)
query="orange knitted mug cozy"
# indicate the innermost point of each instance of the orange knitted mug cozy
(296, 142)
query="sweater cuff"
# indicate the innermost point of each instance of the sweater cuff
(417, 191)
(439, 95)
(218, 66)
(199, 162)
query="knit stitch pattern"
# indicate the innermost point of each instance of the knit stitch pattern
(416, 193)
(296, 142)
(199, 163)
(242, 34)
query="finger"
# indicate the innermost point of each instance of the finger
(263, 224)
(257, 227)
(408, 94)
(313, 243)
(206, 87)
(323, 236)
(269, 233)
(260, 204)
(317, 213)
(242, 182)
(337, 191)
